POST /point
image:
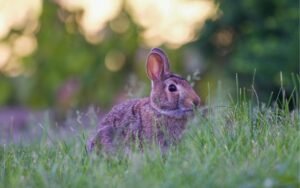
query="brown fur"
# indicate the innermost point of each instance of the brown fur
(161, 118)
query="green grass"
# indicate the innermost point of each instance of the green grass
(235, 146)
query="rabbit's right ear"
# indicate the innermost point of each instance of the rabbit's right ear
(157, 64)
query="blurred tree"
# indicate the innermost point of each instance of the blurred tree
(66, 62)
(254, 36)
(69, 69)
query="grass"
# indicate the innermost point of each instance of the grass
(236, 145)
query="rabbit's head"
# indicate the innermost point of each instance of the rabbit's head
(171, 94)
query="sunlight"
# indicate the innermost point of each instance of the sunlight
(224, 38)
(24, 45)
(114, 60)
(15, 14)
(120, 24)
(170, 22)
(5, 53)
(96, 14)
(21, 17)
(174, 22)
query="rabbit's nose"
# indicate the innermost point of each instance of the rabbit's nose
(196, 102)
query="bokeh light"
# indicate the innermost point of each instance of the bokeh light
(18, 26)
(114, 60)
(95, 15)
(71, 49)
(170, 22)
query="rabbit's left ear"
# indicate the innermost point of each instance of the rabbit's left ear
(157, 64)
(164, 57)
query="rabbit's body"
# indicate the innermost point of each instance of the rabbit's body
(135, 120)
(161, 118)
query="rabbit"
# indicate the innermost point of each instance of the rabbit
(161, 118)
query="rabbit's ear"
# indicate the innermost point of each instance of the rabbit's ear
(157, 64)
(162, 54)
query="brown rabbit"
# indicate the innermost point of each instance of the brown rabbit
(161, 118)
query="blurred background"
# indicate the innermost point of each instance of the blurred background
(70, 54)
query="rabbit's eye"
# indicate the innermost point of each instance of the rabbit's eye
(172, 88)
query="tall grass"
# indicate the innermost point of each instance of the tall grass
(235, 144)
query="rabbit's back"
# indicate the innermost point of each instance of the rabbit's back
(120, 126)
(122, 114)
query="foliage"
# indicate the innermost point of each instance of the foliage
(252, 38)
(257, 39)
(63, 56)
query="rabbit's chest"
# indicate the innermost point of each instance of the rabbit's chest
(163, 129)
(172, 128)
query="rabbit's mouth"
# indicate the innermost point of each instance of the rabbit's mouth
(177, 113)
(188, 111)
(184, 111)
(180, 113)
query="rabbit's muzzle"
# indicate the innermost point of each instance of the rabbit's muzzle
(191, 100)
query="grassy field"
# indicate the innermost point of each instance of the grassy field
(235, 145)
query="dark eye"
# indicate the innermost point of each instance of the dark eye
(172, 88)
